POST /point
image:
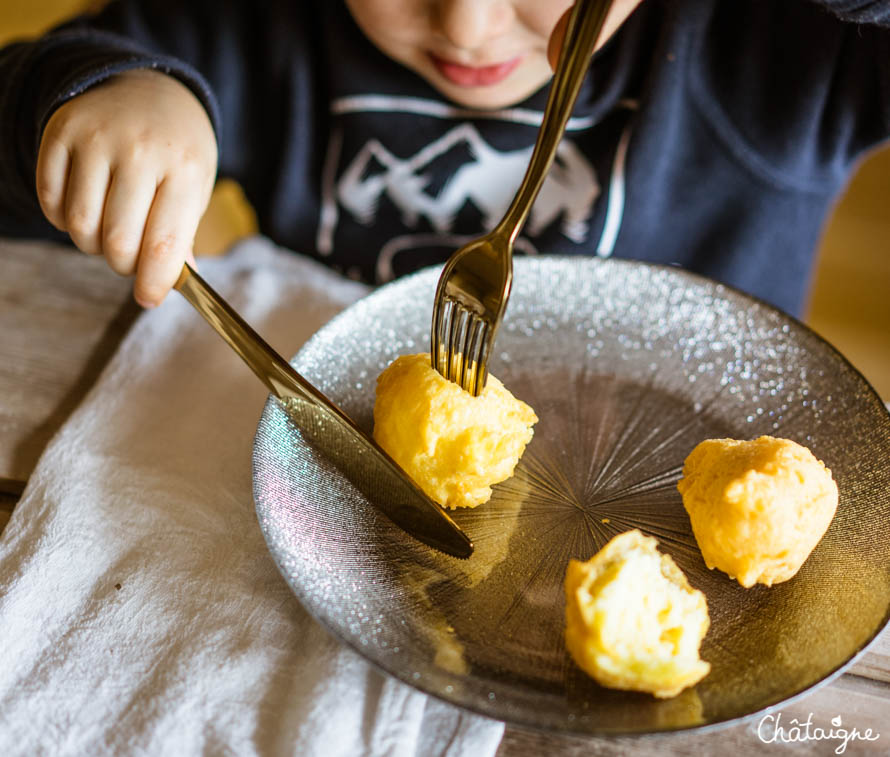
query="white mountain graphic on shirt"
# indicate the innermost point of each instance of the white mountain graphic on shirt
(488, 180)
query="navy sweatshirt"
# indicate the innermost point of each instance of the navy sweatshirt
(711, 134)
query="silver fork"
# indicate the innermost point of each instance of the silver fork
(475, 284)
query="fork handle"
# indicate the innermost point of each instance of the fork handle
(585, 24)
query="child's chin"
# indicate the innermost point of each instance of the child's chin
(498, 96)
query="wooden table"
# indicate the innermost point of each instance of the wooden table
(62, 316)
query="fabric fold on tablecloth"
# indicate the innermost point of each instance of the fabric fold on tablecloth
(140, 611)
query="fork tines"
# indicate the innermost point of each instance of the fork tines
(460, 345)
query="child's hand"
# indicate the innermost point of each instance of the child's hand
(127, 169)
(618, 14)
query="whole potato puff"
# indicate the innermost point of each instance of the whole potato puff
(758, 508)
(455, 446)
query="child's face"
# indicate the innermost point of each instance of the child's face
(478, 53)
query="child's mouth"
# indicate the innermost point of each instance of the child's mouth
(475, 76)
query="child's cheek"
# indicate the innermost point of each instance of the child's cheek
(394, 26)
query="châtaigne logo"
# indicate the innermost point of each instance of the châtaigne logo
(772, 729)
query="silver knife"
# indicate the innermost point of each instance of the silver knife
(367, 466)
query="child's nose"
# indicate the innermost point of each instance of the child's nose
(468, 24)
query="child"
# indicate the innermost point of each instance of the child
(379, 135)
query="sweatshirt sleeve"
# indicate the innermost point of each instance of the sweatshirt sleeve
(859, 11)
(796, 89)
(234, 56)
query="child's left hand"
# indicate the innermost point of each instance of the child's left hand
(618, 14)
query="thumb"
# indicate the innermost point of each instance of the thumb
(618, 13)
(557, 37)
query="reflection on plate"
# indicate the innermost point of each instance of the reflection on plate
(628, 366)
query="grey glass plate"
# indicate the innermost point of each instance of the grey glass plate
(628, 366)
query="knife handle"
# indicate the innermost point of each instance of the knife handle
(272, 369)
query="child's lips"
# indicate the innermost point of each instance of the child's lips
(475, 76)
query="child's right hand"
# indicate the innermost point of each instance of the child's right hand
(127, 169)
(618, 14)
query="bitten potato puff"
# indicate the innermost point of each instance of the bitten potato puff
(758, 508)
(455, 446)
(632, 619)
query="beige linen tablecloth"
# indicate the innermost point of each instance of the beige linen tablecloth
(140, 610)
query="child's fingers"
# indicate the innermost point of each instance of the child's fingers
(169, 235)
(617, 15)
(127, 206)
(53, 163)
(557, 37)
(85, 200)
